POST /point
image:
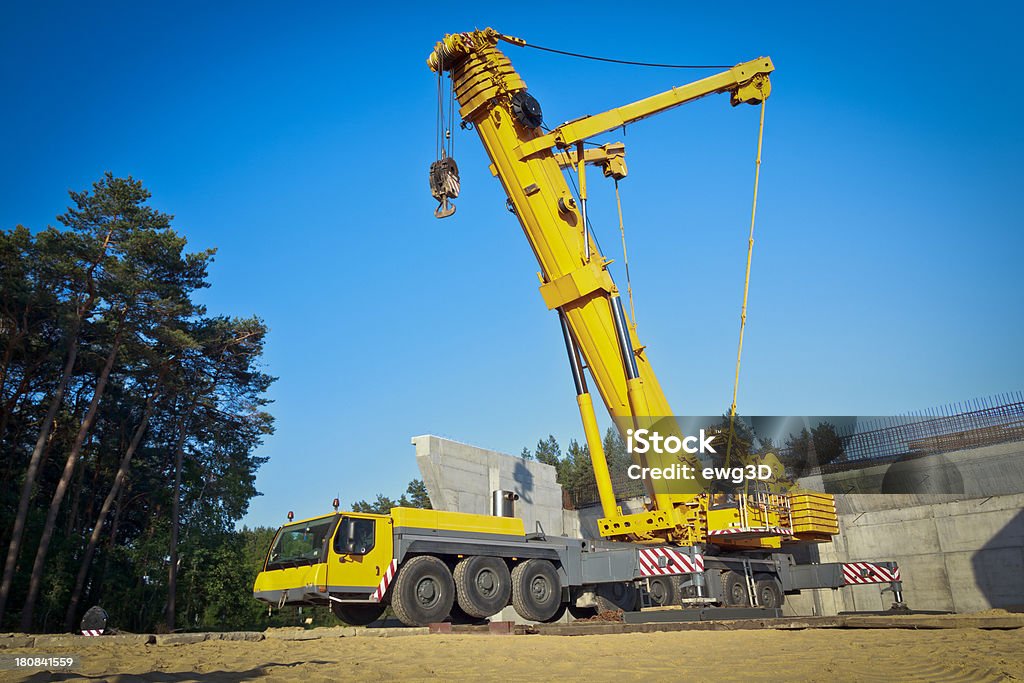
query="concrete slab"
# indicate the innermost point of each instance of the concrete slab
(78, 640)
(391, 632)
(180, 638)
(251, 636)
(16, 640)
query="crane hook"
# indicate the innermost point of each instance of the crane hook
(444, 185)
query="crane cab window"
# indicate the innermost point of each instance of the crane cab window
(299, 544)
(355, 536)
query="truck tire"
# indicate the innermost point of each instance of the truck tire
(664, 590)
(483, 585)
(536, 590)
(618, 596)
(358, 615)
(769, 591)
(423, 592)
(734, 589)
(457, 616)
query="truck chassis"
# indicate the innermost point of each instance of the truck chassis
(437, 574)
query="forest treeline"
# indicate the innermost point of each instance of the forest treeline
(129, 422)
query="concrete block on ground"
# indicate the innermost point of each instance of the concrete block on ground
(11, 640)
(253, 636)
(76, 640)
(181, 638)
(392, 632)
(510, 614)
(298, 633)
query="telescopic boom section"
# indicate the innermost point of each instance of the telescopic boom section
(574, 274)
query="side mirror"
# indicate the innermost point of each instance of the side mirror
(350, 532)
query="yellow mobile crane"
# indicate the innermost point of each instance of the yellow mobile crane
(575, 282)
(686, 546)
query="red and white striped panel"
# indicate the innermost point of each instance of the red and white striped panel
(752, 530)
(866, 572)
(675, 562)
(385, 581)
(92, 632)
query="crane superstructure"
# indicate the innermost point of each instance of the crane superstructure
(575, 281)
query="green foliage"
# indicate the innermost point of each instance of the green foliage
(415, 496)
(738, 447)
(819, 446)
(575, 468)
(548, 451)
(115, 280)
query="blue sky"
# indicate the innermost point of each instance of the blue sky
(296, 139)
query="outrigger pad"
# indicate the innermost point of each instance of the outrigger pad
(94, 621)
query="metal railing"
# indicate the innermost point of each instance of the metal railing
(982, 422)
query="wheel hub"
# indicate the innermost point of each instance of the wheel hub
(426, 592)
(539, 589)
(486, 582)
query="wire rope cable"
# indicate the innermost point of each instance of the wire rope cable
(746, 288)
(627, 62)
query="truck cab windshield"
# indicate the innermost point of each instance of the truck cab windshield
(300, 544)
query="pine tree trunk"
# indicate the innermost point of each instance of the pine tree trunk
(18, 530)
(36, 579)
(172, 572)
(115, 490)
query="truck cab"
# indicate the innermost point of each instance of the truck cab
(327, 560)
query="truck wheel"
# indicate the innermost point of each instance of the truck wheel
(423, 591)
(617, 596)
(536, 591)
(458, 616)
(358, 615)
(734, 589)
(662, 590)
(483, 585)
(769, 592)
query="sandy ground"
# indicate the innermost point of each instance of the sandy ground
(889, 655)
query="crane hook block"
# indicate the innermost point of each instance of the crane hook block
(444, 185)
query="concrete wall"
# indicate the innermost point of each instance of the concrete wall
(974, 473)
(460, 478)
(962, 552)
